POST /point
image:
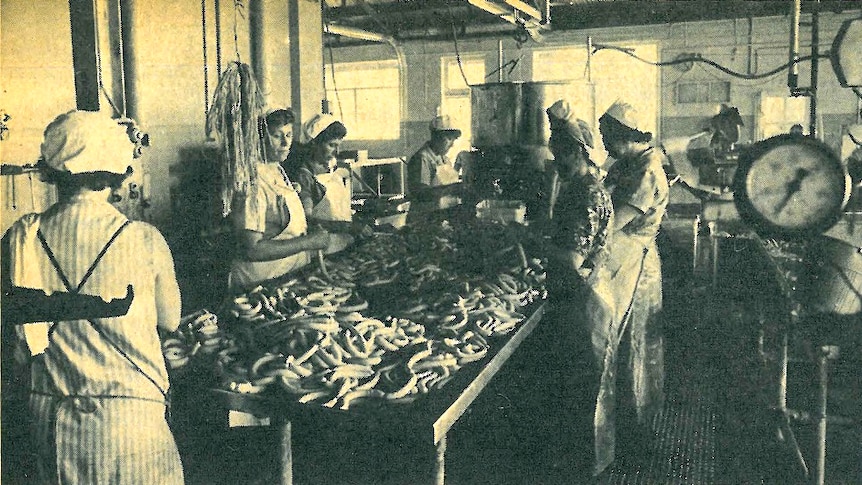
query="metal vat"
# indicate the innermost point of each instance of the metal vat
(507, 114)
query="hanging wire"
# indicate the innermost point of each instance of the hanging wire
(510, 64)
(457, 51)
(698, 58)
(217, 15)
(206, 63)
(334, 86)
(325, 22)
(857, 92)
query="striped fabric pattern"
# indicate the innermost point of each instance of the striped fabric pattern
(113, 428)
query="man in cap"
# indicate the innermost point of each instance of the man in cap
(98, 386)
(429, 166)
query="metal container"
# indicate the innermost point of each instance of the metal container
(506, 114)
(837, 278)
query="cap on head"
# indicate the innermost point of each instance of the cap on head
(316, 125)
(624, 113)
(87, 141)
(444, 123)
(561, 118)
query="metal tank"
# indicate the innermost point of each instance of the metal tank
(510, 132)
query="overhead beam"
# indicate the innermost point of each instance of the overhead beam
(356, 33)
(525, 8)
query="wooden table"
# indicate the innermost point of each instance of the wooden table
(433, 414)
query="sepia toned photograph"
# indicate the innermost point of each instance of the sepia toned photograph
(408, 242)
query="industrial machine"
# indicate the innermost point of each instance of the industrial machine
(510, 136)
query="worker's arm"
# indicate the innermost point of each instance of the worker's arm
(624, 214)
(566, 258)
(167, 290)
(258, 248)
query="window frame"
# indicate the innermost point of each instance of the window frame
(393, 100)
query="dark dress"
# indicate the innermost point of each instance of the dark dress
(583, 310)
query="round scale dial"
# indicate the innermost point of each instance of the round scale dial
(790, 186)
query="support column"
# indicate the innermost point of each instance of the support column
(257, 45)
(128, 16)
(306, 57)
(84, 57)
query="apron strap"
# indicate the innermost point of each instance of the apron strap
(126, 356)
(92, 267)
(77, 290)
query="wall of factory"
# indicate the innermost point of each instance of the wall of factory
(37, 84)
(747, 47)
(176, 86)
(173, 88)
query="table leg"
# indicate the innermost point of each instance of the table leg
(440, 462)
(826, 353)
(715, 249)
(785, 430)
(286, 457)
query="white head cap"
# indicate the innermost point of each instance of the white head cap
(444, 123)
(87, 141)
(624, 113)
(561, 112)
(315, 126)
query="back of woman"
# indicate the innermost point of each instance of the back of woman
(99, 385)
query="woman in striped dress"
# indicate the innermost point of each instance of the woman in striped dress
(99, 390)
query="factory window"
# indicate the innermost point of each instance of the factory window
(703, 92)
(593, 86)
(777, 113)
(456, 94)
(367, 96)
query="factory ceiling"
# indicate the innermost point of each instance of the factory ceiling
(402, 20)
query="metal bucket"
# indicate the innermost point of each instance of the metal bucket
(505, 114)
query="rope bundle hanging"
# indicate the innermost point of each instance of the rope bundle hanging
(233, 118)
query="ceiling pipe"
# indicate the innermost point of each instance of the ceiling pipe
(356, 33)
(793, 73)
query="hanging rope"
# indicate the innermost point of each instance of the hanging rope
(238, 7)
(457, 50)
(233, 118)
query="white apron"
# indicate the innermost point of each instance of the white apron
(245, 274)
(335, 206)
(444, 174)
(98, 412)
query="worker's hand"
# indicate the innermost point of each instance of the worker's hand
(318, 237)
(362, 231)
